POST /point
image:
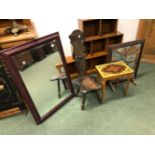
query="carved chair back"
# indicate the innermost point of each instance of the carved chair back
(79, 54)
(85, 83)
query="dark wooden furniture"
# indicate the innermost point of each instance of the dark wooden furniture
(8, 40)
(85, 83)
(14, 104)
(21, 86)
(11, 102)
(48, 49)
(129, 52)
(146, 30)
(99, 33)
(37, 53)
(23, 60)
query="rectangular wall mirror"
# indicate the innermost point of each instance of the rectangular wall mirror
(32, 66)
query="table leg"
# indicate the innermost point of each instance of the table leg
(103, 90)
(127, 85)
(112, 86)
(133, 81)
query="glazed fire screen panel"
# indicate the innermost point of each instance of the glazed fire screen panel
(128, 54)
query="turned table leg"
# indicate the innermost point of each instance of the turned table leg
(103, 90)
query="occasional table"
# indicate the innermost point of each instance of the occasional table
(114, 71)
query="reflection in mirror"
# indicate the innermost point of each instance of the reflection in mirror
(37, 68)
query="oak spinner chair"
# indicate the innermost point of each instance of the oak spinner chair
(85, 83)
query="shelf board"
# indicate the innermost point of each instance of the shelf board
(103, 36)
(11, 112)
(97, 54)
(90, 71)
(70, 59)
(31, 34)
(83, 20)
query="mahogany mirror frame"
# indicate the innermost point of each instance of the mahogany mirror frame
(7, 57)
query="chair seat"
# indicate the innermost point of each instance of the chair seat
(88, 83)
(59, 76)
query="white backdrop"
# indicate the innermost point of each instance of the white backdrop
(66, 26)
(42, 13)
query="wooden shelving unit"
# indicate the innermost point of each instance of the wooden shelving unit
(99, 33)
(7, 41)
(90, 57)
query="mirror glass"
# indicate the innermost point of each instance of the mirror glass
(37, 66)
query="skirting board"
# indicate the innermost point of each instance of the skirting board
(9, 112)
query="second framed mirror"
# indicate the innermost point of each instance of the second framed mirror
(32, 67)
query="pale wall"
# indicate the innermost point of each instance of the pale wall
(129, 28)
(65, 27)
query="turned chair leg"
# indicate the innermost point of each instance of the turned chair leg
(59, 89)
(78, 90)
(83, 101)
(64, 81)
